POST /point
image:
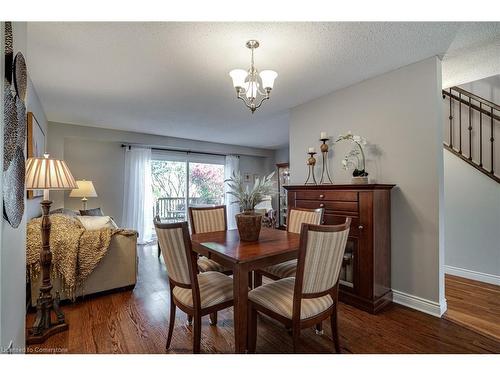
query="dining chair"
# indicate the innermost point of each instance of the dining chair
(209, 219)
(296, 217)
(312, 295)
(197, 294)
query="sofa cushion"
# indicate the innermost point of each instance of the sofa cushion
(92, 212)
(97, 222)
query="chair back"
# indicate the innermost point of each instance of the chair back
(208, 219)
(320, 257)
(175, 245)
(299, 216)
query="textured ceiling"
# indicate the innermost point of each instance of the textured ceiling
(172, 78)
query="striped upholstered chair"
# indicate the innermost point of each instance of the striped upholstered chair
(208, 219)
(197, 294)
(312, 295)
(296, 217)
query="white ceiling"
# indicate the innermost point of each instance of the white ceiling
(172, 78)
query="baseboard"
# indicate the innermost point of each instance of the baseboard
(472, 275)
(418, 303)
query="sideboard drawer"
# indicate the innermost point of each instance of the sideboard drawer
(349, 196)
(329, 205)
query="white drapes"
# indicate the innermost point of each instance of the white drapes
(232, 164)
(138, 195)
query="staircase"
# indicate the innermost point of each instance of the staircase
(471, 127)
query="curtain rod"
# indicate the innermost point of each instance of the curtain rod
(173, 150)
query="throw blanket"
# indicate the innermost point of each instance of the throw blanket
(75, 251)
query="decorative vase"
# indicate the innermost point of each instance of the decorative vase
(249, 224)
(359, 180)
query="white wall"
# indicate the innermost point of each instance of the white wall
(12, 251)
(400, 114)
(282, 155)
(472, 206)
(96, 154)
(487, 88)
(472, 201)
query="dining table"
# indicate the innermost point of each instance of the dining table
(273, 246)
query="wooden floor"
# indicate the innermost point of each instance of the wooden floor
(474, 305)
(136, 322)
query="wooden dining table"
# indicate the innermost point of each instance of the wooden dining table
(274, 246)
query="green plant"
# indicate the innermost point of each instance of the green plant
(248, 198)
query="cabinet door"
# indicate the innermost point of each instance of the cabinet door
(349, 274)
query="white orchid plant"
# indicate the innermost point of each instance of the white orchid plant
(249, 198)
(356, 157)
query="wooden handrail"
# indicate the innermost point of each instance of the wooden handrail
(474, 106)
(484, 108)
(475, 97)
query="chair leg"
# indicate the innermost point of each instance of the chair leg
(252, 329)
(335, 330)
(257, 279)
(190, 320)
(171, 322)
(213, 319)
(197, 333)
(319, 328)
(159, 250)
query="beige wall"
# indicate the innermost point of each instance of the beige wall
(400, 114)
(96, 154)
(13, 240)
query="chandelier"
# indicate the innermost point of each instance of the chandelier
(251, 86)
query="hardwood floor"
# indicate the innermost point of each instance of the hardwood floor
(136, 322)
(474, 305)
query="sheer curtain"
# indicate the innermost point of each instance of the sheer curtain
(138, 195)
(232, 165)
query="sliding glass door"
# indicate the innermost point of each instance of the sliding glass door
(181, 180)
(168, 178)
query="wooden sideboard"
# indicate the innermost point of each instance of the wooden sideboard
(366, 270)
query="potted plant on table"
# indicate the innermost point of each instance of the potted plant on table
(248, 221)
(355, 158)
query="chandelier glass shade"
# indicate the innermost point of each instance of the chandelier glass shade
(252, 87)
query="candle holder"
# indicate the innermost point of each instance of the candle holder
(311, 162)
(325, 170)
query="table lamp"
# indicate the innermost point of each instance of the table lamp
(84, 190)
(47, 174)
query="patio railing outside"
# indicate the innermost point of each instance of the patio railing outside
(173, 209)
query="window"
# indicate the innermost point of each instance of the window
(181, 180)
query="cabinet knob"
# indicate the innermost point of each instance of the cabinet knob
(321, 205)
(322, 195)
(360, 227)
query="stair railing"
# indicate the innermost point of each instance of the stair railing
(469, 107)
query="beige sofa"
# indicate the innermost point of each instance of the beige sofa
(118, 269)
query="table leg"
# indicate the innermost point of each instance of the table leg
(240, 292)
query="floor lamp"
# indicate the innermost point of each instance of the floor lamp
(47, 174)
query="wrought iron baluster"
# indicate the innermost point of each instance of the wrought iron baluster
(492, 139)
(450, 117)
(470, 129)
(480, 134)
(460, 121)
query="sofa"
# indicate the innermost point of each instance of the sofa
(117, 269)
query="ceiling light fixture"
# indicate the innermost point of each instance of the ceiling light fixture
(251, 86)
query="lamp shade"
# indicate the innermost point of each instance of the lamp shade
(268, 77)
(85, 190)
(266, 204)
(238, 76)
(48, 174)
